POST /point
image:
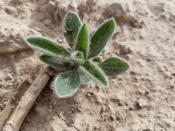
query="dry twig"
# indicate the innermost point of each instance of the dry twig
(25, 103)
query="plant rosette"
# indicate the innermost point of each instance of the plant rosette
(80, 62)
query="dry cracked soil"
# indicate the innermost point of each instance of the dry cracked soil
(142, 99)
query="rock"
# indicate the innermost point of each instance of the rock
(56, 10)
(119, 116)
(99, 99)
(133, 73)
(86, 8)
(122, 50)
(73, 6)
(117, 101)
(10, 10)
(94, 97)
(115, 10)
(141, 103)
(89, 94)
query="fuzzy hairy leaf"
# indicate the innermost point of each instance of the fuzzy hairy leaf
(82, 40)
(83, 78)
(114, 66)
(47, 46)
(78, 57)
(94, 72)
(71, 25)
(66, 84)
(52, 61)
(100, 37)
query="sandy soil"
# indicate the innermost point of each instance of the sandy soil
(142, 99)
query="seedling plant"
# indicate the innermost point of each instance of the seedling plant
(80, 62)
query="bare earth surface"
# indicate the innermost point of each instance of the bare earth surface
(142, 99)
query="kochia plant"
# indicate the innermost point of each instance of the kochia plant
(78, 61)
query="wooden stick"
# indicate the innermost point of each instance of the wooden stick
(5, 113)
(13, 102)
(26, 101)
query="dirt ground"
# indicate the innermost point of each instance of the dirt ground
(142, 99)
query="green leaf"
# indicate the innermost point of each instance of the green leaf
(82, 40)
(71, 25)
(47, 46)
(83, 78)
(114, 66)
(66, 84)
(78, 57)
(94, 72)
(100, 37)
(52, 61)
